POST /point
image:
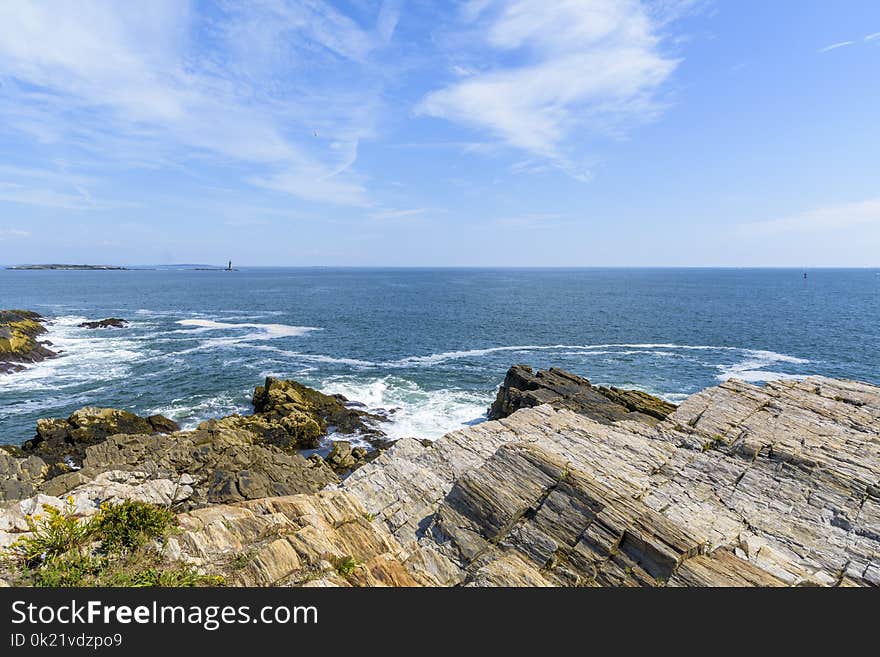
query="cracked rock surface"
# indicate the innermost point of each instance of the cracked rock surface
(740, 485)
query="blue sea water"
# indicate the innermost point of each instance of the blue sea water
(432, 344)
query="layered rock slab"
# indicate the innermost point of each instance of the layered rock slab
(742, 485)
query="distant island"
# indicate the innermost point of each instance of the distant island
(71, 267)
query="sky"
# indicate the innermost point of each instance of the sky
(440, 133)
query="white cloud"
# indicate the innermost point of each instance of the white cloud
(133, 83)
(872, 37)
(398, 214)
(593, 64)
(835, 46)
(826, 219)
(10, 233)
(386, 23)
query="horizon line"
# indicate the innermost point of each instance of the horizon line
(142, 266)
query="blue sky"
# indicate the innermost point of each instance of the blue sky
(484, 133)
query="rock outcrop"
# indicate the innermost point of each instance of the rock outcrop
(525, 388)
(110, 322)
(292, 416)
(219, 464)
(18, 340)
(740, 486)
(20, 477)
(63, 442)
(231, 459)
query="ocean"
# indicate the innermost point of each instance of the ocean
(432, 345)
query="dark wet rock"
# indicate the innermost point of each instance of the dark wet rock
(525, 388)
(62, 442)
(110, 322)
(18, 340)
(162, 424)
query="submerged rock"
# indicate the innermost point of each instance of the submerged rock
(110, 322)
(525, 388)
(18, 344)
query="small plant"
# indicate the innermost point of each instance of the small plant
(130, 524)
(53, 533)
(369, 517)
(346, 566)
(242, 559)
(109, 549)
(72, 569)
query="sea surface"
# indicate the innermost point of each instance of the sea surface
(432, 344)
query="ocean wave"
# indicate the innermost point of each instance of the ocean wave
(83, 356)
(265, 331)
(660, 349)
(752, 368)
(188, 412)
(419, 412)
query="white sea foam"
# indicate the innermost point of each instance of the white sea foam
(190, 411)
(435, 359)
(84, 356)
(419, 413)
(752, 368)
(265, 331)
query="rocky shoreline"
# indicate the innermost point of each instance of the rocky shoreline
(19, 330)
(568, 484)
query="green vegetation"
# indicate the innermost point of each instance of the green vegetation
(131, 524)
(242, 559)
(346, 566)
(115, 547)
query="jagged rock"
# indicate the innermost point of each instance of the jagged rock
(62, 443)
(525, 388)
(222, 465)
(20, 477)
(325, 539)
(162, 424)
(340, 456)
(638, 401)
(741, 485)
(18, 343)
(110, 322)
(292, 416)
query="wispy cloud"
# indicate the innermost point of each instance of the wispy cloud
(538, 220)
(57, 187)
(825, 219)
(835, 46)
(164, 83)
(13, 233)
(554, 68)
(872, 37)
(398, 214)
